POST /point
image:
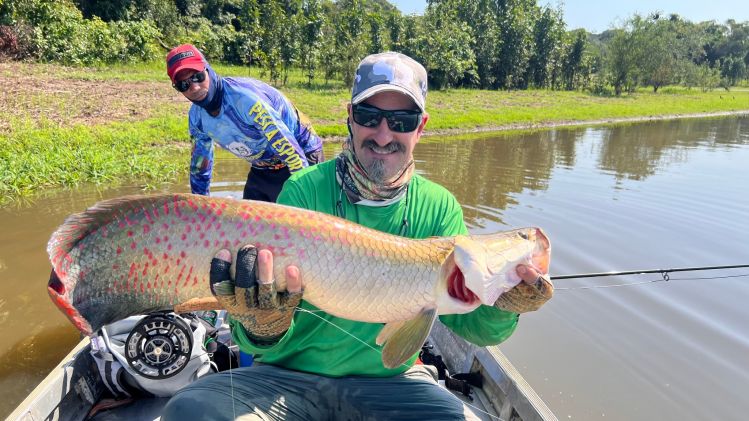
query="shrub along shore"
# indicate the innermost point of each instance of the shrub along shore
(60, 127)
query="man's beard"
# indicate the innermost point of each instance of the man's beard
(376, 169)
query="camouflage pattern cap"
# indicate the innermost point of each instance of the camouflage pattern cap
(390, 71)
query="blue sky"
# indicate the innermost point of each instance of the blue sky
(598, 15)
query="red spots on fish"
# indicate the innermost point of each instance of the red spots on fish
(182, 254)
(133, 268)
(145, 269)
(245, 216)
(215, 243)
(165, 239)
(146, 229)
(119, 250)
(142, 288)
(115, 267)
(165, 256)
(168, 247)
(227, 244)
(184, 237)
(188, 229)
(128, 221)
(236, 242)
(165, 226)
(133, 245)
(301, 254)
(148, 216)
(239, 226)
(202, 217)
(206, 243)
(70, 312)
(147, 252)
(257, 218)
(219, 212)
(158, 240)
(166, 269)
(189, 274)
(129, 233)
(154, 262)
(222, 234)
(276, 237)
(202, 235)
(121, 224)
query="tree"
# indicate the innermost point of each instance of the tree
(444, 46)
(311, 33)
(574, 67)
(548, 33)
(375, 33)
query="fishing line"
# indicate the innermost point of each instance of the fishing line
(666, 278)
(380, 353)
(644, 271)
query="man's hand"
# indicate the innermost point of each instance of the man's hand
(253, 300)
(528, 295)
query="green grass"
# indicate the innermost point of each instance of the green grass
(33, 159)
(65, 126)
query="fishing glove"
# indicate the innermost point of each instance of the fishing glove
(523, 297)
(263, 311)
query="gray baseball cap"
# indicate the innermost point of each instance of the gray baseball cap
(390, 71)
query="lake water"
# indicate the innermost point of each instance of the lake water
(642, 196)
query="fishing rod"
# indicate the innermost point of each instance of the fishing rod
(663, 272)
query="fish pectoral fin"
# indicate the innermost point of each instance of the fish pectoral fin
(388, 330)
(403, 339)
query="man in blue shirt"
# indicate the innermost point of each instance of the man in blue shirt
(249, 118)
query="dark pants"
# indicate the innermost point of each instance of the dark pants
(264, 184)
(269, 393)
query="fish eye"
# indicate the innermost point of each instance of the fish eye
(523, 235)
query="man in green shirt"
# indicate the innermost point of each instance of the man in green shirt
(315, 365)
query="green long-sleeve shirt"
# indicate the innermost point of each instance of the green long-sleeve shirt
(320, 343)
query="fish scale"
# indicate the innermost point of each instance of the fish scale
(140, 254)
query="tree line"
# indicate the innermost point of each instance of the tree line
(488, 44)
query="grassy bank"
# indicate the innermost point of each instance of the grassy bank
(64, 126)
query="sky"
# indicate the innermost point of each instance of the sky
(599, 15)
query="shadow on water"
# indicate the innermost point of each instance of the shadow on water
(28, 361)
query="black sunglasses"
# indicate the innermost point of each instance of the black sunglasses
(184, 85)
(401, 121)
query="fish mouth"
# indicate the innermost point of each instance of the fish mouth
(59, 296)
(457, 289)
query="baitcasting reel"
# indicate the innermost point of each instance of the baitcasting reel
(159, 346)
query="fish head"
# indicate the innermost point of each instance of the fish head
(487, 262)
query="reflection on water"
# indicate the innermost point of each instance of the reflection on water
(663, 194)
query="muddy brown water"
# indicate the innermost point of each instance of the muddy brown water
(649, 195)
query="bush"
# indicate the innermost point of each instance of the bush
(16, 41)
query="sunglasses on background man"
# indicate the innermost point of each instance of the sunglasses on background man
(184, 85)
